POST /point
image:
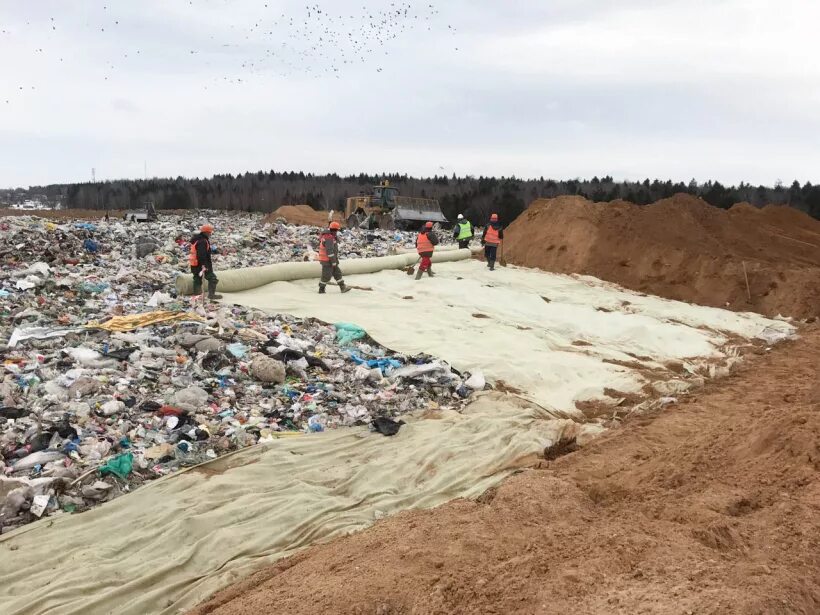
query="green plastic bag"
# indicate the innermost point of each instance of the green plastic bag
(121, 465)
(347, 333)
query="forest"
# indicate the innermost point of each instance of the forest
(475, 197)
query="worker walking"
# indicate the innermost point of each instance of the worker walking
(200, 261)
(329, 258)
(463, 232)
(426, 243)
(491, 238)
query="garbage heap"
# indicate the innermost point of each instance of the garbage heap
(109, 380)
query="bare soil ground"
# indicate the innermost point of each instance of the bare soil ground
(709, 507)
(303, 215)
(680, 248)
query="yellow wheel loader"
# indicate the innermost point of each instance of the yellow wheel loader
(384, 208)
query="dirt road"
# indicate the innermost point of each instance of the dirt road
(711, 506)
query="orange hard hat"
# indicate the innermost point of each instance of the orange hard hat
(428, 225)
(206, 228)
(335, 226)
(494, 218)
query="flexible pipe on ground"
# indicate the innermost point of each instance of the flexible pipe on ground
(237, 280)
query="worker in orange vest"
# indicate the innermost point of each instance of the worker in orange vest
(426, 243)
(329, 258)
(492, 237)
(200, 260)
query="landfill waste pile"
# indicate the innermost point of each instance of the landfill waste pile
(110, 380)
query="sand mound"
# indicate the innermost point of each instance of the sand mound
(707, 508)
(680, 248)
(301, 214)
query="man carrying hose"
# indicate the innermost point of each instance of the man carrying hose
(492, 237)
(426, 243)
(200, 261)
(329, 258)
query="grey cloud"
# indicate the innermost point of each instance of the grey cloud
(578, 86)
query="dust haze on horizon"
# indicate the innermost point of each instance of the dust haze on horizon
(673, 89)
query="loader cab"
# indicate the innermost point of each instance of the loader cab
(385, 194)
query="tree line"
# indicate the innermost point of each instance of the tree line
(475, 197)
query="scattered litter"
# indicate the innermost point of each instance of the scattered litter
(159, 298)
(120, 466)
(39, 504)
(386, 426)
(41, 333)
(110, 380)
(348, 333)
(773, 335)
(476, 381)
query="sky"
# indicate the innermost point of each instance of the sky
(668, 89)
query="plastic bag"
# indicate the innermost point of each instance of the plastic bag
(120, 466)
(347, 333)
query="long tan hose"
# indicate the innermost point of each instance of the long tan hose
(237, 280)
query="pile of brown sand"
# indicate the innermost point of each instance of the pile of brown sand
(709, 507)
(302, 215)
(680, 248)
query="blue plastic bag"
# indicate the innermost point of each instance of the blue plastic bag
(383, 364)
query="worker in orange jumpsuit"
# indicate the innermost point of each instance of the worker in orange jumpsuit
(492, 237)
(329, 258)
(200, 260)
(426, 243)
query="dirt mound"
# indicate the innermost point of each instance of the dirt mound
(680, 248)
(302, 215)
(710, 507)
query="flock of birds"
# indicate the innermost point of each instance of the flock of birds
(314, 41)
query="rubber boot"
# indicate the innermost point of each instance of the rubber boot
(419, 273)
(492, 265)
(343, 287)
(212, 292)
(322, 289)
(430, 272)
(197, 289)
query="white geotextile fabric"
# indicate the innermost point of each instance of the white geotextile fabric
(172, 543)
(558, 338)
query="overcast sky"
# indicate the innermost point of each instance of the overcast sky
(711, 89)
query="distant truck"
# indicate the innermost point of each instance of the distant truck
(148, 213)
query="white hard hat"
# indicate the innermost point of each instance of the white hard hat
(460, 217)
